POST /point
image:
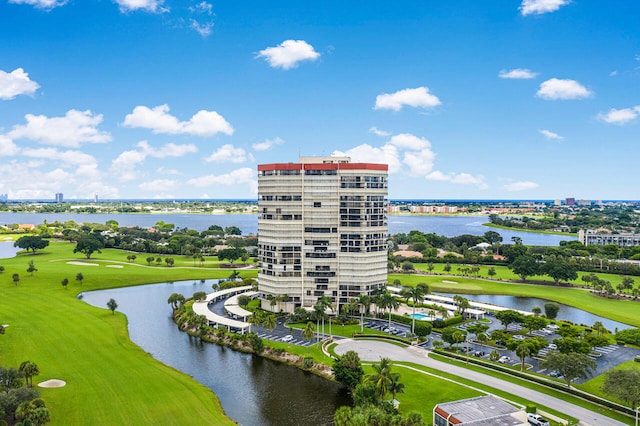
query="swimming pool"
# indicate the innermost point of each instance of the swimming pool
(422, 317)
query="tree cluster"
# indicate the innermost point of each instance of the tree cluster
(20, 404)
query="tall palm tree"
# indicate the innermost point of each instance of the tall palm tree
(308, 333)
(395, 387)
(523, 350)
(381, 377)
(364, 300)
(270, 322)
(416, 293)
(387, 301)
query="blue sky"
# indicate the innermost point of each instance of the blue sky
(500, 99)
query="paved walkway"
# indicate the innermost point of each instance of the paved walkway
(369, 350)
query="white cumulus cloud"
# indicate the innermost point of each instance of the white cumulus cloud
(458, 178)
(7, 147)
(70, 157)
(236, 177)
(419, 162)
(124, 166)
(538, 7)
(409, 141)
(267, 144)
(520, 186)
(518, 74)
(562, 89)
(289, 54)
(75, 128)
(620, 116)
(365, 153)
(204, 29)
(227, 153)
(41, 4)
(551, 135)
(417, 98)
(203, 123)
(16, 83)
(379, 132)
(145, 5)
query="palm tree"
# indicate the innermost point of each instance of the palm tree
(79, 277)
(443, 311)
(387, 301)
(395, 387)
(270, 322)
(416, 293)
(364, 300)
(308, 333)
(523, 350)
(382, 377)
(29, 369)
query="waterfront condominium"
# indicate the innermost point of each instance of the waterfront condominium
(322, 231)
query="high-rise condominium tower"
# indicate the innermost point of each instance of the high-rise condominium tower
(322, 231)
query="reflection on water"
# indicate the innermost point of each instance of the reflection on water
(527, 303)
(252, 390)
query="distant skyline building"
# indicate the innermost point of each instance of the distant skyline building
(570, 202)
(322, 231)
(4, 198)
(59, 197)
(95, 198)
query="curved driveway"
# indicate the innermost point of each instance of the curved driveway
(369, 350)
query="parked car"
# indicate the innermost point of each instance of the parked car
(519, 337)
(554, 373)
(552, 346)
(504, 359)
(500, 343)
(537, 419)
(479, 353)
(547, 331)
(287, 338)
(552, 327)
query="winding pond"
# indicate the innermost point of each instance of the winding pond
(566, 312)
(252, 390)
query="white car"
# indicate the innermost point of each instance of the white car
(504, 360)
(519, 337)
(552, 346)
(287, 338)
(537, 420)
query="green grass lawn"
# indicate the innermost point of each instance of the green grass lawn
(109, 379)
(625, 311)
(594, 385)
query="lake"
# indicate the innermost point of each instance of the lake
(252, 390)
(566, 312)
(449, 226)
(7, 249)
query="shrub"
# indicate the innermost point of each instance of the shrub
(530, 408)
(307, 362)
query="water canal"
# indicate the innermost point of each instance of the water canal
(252, 390)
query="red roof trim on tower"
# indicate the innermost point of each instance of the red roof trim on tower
(364, 166)
(323, 166)
(279, 166)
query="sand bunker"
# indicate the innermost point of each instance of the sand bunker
(115, 266)
(449, 282)
(82, 264)
(53, 383)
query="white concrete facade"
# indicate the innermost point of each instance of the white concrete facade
(322, 230)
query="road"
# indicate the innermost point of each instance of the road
(372, 351)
